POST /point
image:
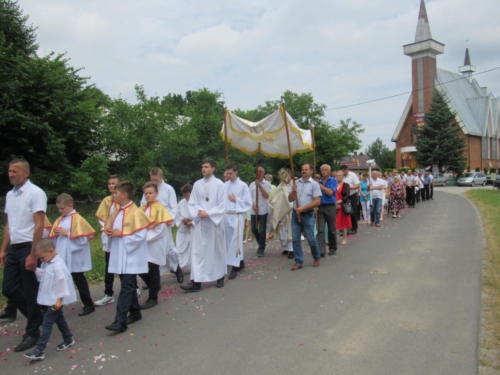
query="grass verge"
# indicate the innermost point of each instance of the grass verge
(488, 203)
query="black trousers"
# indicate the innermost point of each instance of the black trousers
(109, 278)
(20, 286)
(432, 191)
(11, 308)
(327, 216)
(259, 230)
(427, 192)
(152, 280)
(410, 196)
(354, 216)
(127, 299)
(417, 195)
(83, 288)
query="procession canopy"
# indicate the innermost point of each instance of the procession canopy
(267, 136)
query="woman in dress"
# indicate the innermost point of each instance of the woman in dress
(342, 195)
(398, 196)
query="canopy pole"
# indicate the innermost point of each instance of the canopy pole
(290, 156)
(313, 130)
(257, 187)
(226, 144)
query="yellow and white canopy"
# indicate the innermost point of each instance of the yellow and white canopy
(270, 133)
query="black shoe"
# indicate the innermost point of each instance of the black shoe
(232, 274)
(242, 265)
(332, 252)
(116, 327)
(290, 255)
(86, 310)
(194, 287)
(180, 275)
(8, 317)
(149, 303)
(260, 253)
(135, 317)
(323, 255)
(27, 343)
(220, 283)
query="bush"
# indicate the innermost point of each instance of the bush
(89, 181)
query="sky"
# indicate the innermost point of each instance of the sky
(341, 51)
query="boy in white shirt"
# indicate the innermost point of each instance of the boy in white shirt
(71, 234)
(127, 233)
(184, 222)
(56, 289)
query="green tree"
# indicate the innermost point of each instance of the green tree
(48, 112)
(438, 140)
(384, 157)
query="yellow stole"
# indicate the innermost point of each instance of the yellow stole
(79, 227)
(158, 213)
(134, 220)
(46, 224)
(104, 209)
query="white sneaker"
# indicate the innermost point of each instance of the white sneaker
(138, 292)
(106, 300)
(63, 346)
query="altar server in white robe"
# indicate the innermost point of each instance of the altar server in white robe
(207, 206)
(184, 222)
(106, 208)
(71, 234)
(127, 230)
(168, 198)
(157, 251)
(238, 202)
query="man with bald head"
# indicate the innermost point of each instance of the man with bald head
(25, 207)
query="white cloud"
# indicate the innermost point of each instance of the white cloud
(343, 52)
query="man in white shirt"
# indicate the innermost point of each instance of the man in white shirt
(25, 208)
(377, 188)
(260, 189)
(352, 180)
(409, 181)
(168, 198)
(306, 196)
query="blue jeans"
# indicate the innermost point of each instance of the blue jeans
(259, 224)
(376, 210)
(305, 226)
(49, 318)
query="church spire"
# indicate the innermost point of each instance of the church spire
(423, 27)
(467, 69)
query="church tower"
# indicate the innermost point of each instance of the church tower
(423, 52)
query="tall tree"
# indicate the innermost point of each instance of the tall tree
(384, 157)
(438, 140)
(48, 112)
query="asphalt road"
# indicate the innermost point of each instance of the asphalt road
(403, 299)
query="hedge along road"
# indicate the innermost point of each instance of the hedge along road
(400, 300)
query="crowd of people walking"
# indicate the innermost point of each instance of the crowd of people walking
(215, 219)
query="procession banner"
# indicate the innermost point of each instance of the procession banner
(270, 133)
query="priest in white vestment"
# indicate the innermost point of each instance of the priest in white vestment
(208, 251)
(238, 202)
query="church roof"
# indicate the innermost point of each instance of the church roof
(474, 105)
(477, 110)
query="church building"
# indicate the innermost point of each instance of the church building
(477, 110)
